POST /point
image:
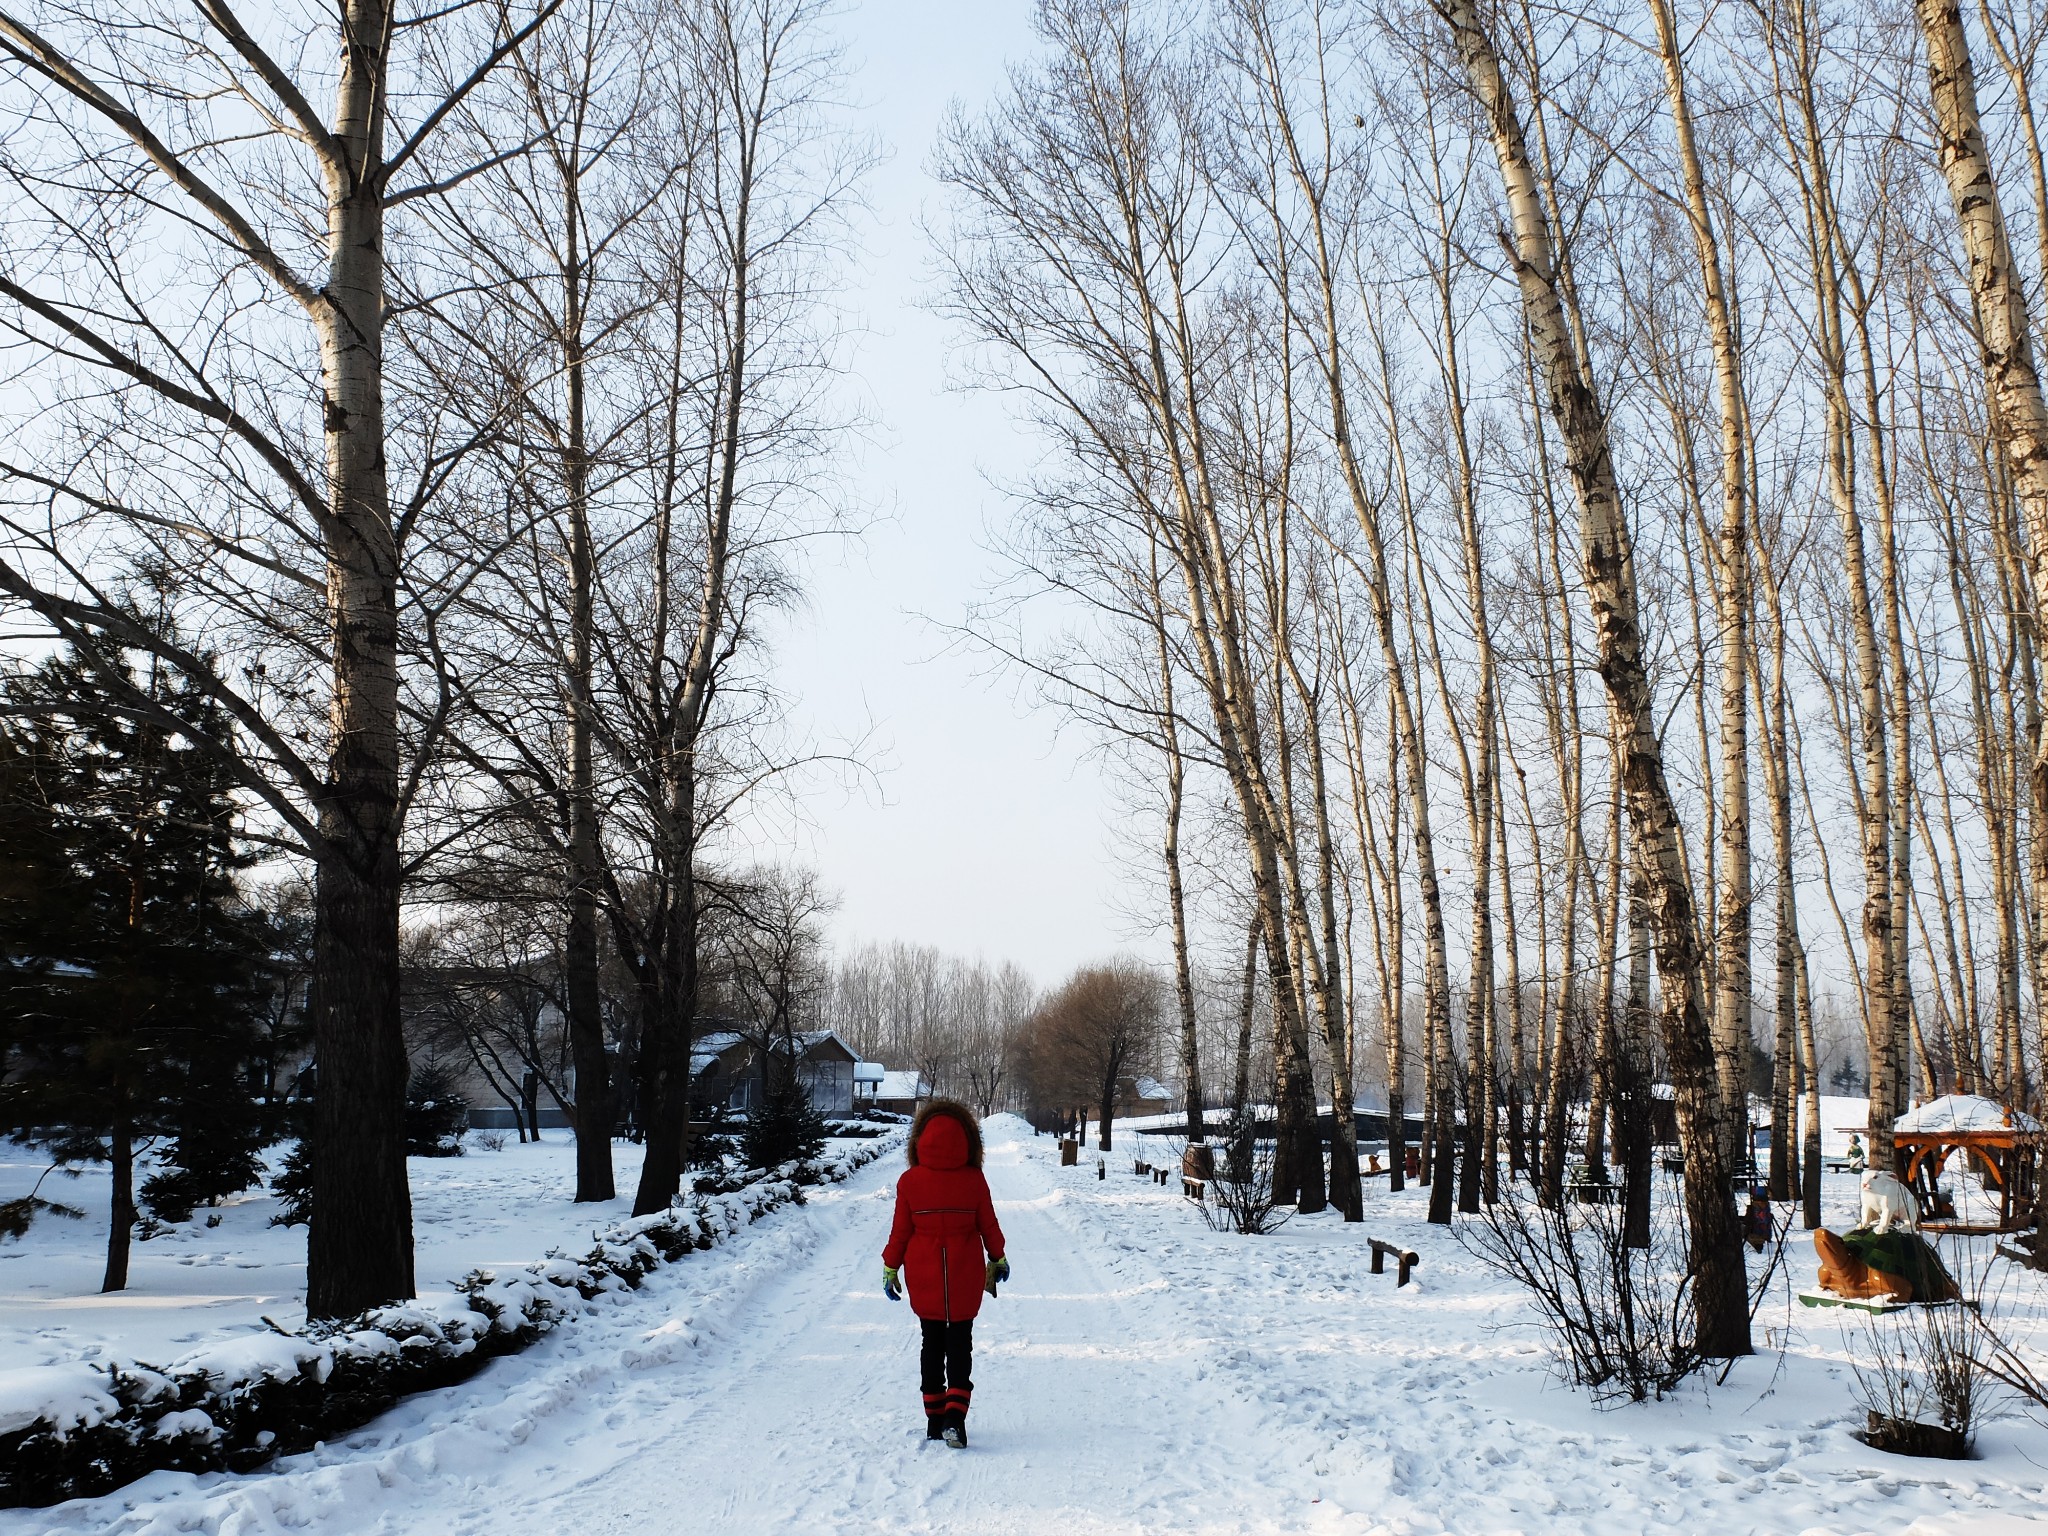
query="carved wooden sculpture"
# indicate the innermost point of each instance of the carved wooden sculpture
(1843, 1274)
(1912, 1270)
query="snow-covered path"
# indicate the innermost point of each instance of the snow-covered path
(1088, 1414)
(1141, 1374)
(770, 1387)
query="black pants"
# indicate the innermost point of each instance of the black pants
(947, 1358)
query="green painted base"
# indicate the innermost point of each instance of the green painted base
(1906, 1254)
(1870, 1304)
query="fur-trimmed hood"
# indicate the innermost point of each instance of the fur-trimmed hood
(945, 1150)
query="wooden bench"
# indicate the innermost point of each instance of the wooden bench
(1404, 1260)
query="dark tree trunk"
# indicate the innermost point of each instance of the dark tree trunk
(593, 1106)
(359, 1237)
(1635, 1135)
(1443, 1167)
(529, 1102)
(1475, 1131)
(121, 1224)
(1241, 1083)
(580, 960)
(1311, 1180)
(1397, 1134)
(1636, 1170)
(665, 1042)
(1518, 1153)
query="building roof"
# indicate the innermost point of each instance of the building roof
(1964, 1112)
(903, 1085)
(708, 1047)
(810, 1040)
(1151, 1088)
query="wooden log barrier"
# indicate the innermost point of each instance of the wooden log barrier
(1404, 1260)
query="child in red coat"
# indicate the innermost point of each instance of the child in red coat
(945, 1222)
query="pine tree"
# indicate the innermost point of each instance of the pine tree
(132, 974)
(786, 1126)
(435, 1115)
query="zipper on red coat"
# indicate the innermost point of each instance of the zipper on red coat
(946, 1279)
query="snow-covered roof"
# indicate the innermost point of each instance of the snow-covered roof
(902, 1085)
(869, 1071)
(808, 1040)
(1964, 1112)
(707, 1048)
(1152, 1088)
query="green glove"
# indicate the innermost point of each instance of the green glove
(892, 1283)
(998, 1272)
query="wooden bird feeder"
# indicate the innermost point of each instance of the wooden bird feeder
(2001, 1142)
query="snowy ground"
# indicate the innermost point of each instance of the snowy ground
(195, 1284)
(1139, 1374)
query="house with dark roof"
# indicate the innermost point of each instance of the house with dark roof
(727, 1070)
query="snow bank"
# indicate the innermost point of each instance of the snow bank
(64, 1397)
(85, 1428)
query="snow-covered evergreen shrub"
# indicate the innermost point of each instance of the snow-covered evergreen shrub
(787, 1127)
(293, 1187)
(78, 1430)
(436, 1118)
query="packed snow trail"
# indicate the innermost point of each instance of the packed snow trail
(1140, 1374)
(1087, 1413)
(769, 1387)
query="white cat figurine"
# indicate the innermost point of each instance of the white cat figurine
(1887, 1203)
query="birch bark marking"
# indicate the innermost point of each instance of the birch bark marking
(1176, 894)
(1436, 971)
(2019, 415)
(1311, 178)
(1721, 1293)
(1732, 967)
(359, 1241)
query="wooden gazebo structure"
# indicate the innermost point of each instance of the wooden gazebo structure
(2003, 1143)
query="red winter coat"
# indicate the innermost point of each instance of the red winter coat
(944, 1223)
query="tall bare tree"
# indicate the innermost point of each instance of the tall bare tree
(201, 274)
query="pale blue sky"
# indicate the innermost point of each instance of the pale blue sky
(987, 832)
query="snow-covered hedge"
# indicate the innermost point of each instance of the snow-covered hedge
(72, 1431)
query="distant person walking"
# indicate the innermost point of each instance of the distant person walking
(946, 1235)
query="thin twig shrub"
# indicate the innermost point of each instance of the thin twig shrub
(1239, 1198)
(1617, 1318)
(1919, 1380)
